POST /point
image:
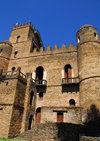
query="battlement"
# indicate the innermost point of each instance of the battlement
(56, 50)
(23, 26)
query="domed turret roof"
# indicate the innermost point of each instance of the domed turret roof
(7, 42)
(86, 25)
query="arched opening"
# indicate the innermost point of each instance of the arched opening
(72, 102)
(39, 75)
(15, 53)
(17, 39)
(31, 97)
(1, 51)
(13, 69)
(67, 73)
(30, 122)
(38, 115)
(40, 96)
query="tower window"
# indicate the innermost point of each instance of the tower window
(72, 102)
(17, 40)
(1, 50)
(15, 53)
(78, 39)
(95, 35)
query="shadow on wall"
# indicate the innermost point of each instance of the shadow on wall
(92, 124)
(70, 88)
(69, 131)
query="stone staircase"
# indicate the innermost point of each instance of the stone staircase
(53, 132)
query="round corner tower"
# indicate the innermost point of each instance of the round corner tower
(88, 47)
(5, 53)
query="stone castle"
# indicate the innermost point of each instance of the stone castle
(38, 86)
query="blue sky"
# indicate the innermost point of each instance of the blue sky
(57, 20)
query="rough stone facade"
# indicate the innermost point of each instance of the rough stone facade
(38, 86)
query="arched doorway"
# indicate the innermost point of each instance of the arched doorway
(67, 73)
(30, 122)
(38, 115)
(39, 75)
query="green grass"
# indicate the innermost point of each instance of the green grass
(3, 139)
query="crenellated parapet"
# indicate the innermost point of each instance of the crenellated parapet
(56, 50)
(23, 26)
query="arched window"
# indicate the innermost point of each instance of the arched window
(72, 102)
(13, 69)
(39, 75)
(67, 73)
(38, 115)
(31, 97)
(17, 39)
(15, 53)
(40, 96)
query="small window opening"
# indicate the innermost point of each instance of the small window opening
(1, 50)
(40, 96)
(31, 97)
(72, 102)
(13, 69)
(78, 39)
(15, 53)
(59, 116)
(17, 40)
(1, 109)
(95, 35)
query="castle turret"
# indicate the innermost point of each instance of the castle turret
(5, 53)
(88, 44)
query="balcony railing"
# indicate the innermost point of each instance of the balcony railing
(70, 80)
(40, 82)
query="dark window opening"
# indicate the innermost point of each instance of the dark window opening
(30, 122)
(72, 102)
(1, 108)
(1, 50)
(31, 97)
(40, 96)
(39, 75)
(95, 34)
(38, 115)
(13, 69)
(15, 54)
(59, 116)
(17, 40)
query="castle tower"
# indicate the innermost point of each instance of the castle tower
(25, 39)
(5, 53)
(88, 44)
